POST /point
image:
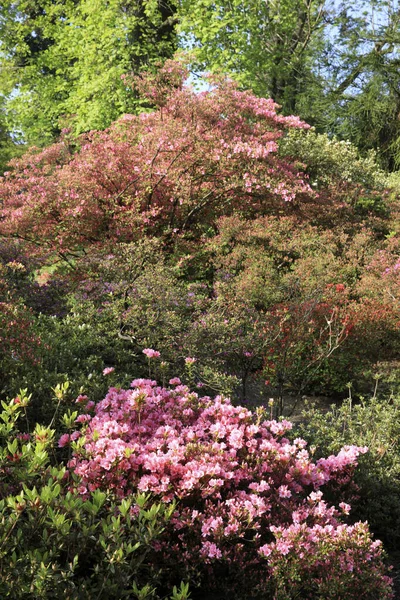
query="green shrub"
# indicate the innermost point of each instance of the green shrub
(374, 423)
(55, 545)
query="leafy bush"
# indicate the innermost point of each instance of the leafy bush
(196, 157)
(56, 544)
(330, 159)
(375, 423)
(20, 345)
(324, 303)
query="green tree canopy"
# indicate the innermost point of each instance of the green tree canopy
(335, 64)
(64, 60)
(267, 46)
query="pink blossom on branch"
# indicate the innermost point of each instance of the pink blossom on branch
(108, 370)
(190, 360)
(150, 353)
(64, 440)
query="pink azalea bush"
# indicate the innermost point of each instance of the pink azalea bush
(251, 512)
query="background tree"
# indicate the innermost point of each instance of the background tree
(267, 46)
(363, 84)
(335, 64)
(64, 60)
(8, 148)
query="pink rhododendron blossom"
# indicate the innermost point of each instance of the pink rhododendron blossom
(190, 360)
(150, 353)
(108, 370)
(83, 419)
(284, 491)
(81, 399)
(211, 550)
(345, 507)
(265, 550)
(64, 440)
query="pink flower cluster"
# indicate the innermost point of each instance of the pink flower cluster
(66, 438)
(150, 353)
(344, 557)
(235, 476)
(108, 370)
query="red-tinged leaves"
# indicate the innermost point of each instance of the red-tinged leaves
(195, 158)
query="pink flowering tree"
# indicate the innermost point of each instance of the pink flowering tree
(194, 158)
(252, 512)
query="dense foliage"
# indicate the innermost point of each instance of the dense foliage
(167, 171)
(54, 543)
(333, 63)
(373, 423)
(238, 480)
(212, 227)
(62, 62)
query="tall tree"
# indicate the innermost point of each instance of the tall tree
(6, 143)
(335, 64)
(65, 59)
(268, 46)
(361, 67)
